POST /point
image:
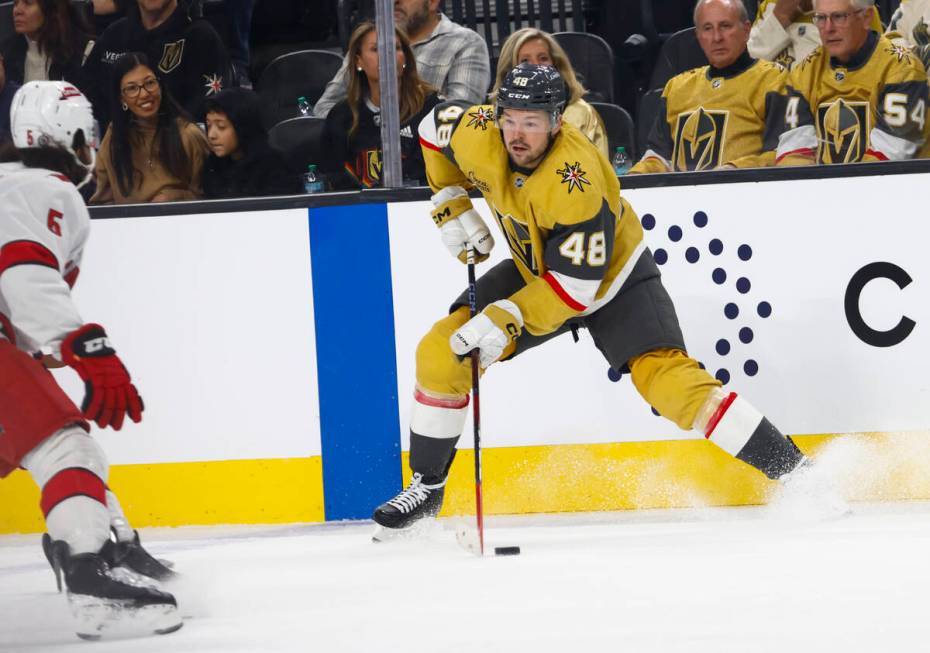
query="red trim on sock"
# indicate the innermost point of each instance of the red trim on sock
(718, 414)
(426, 400)
(72, 482)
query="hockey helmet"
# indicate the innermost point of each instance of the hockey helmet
(532, 87)
(51, 113)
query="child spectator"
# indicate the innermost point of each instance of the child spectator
(242, 164)
(538, 47)
(51, 42)
(352, 133)
(151, 152)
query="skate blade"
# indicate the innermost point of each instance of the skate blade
(468, 539)
(96, 618)
(420, 529)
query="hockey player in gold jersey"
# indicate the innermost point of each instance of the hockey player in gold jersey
(725, 114)
(859, 97)
(578, 261)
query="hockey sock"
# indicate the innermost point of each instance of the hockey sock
(742, 431)
(118, 522)
(435, 426)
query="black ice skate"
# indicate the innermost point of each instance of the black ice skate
(421, 499)
(118, 554)
(112, 601)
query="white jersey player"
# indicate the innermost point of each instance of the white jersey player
(43, 228)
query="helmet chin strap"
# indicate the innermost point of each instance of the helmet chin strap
(88, 167)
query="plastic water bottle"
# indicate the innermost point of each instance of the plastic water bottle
(304, 106)
(312, 181)
(621, 161)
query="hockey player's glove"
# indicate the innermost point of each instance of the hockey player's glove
(108, 393)
(460, 226)
(490, 331)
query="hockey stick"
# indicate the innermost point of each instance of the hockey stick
(476, 402)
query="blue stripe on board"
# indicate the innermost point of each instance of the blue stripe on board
(356, 361)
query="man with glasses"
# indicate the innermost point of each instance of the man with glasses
(784, 31)
(859, 97)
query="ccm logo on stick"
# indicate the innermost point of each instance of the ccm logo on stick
(868, 335)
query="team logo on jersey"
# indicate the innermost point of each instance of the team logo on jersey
(922, 41)
(171, 56)
(699, 139)
(839, 75)
(901, 52)
(574, 176)
(518, 239)
(479, 119)
(716, 83)
(843, 130)
(784, 59)
(213, 84)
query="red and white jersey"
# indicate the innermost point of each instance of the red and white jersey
(43, 228)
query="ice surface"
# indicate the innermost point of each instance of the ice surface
(722, 579)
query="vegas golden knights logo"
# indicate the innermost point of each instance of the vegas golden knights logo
(518, 239)
(699, 139)
(843, 131)
(373, 164)
(171, 56)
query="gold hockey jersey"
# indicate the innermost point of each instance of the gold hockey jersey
(709, 117)
(872, 108)
(572, 237)
(909, 27)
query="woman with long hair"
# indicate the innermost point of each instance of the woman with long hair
(51, 42)
(151, 151)
(352, 134)
(535, 46)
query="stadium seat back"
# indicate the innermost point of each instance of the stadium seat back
(679, 53)
(648, 110)
(593, 61)
(299, 139)
(292, 75)
(620, 128)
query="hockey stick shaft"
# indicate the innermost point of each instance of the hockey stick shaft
(476, 401)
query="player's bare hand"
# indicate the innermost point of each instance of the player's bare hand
(786, 11)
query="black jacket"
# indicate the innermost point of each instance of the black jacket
(263, 170)
(14, 56)
(189, 57)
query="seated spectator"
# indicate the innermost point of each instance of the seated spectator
(537, 47)
(191, 59)
(352, 133)
(784, 31)
(450, 57)
(242, 163)
(150, 152)
(858, 98)
(725, 114)
(7, 91)
(52, 41)
(908, 27)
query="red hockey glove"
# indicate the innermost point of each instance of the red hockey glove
(108, 393)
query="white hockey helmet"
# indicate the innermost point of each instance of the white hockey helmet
(46, 113)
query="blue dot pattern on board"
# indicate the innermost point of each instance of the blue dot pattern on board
(764, 309)
(655, 412)
(744, 252)
(731, 310)
(743, 285)
(700, 219)
(692, 255)
(614, 375)
(649, 222)
(751, 367)
(723, 376)
(715, 247)
(661, 256)
(745, 335)
(723, 346)
(674, 233)
(719, 275)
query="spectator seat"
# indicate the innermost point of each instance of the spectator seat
(620, 128)
(292, 75)
(648, 110)
(299, 140)
(593, 61)
(679, 53)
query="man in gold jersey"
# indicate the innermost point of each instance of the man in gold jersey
(578, 261)
(859, 97)
(725, 114)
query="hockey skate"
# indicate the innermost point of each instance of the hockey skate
(107, 601)
(418, 501)
(131, 555)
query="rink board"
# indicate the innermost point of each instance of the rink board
(275, 351)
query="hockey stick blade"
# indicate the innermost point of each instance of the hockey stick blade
(468, 539)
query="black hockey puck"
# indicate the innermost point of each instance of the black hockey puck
(506, 550)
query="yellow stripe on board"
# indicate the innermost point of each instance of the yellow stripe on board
(675, 474)
(272, 491)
